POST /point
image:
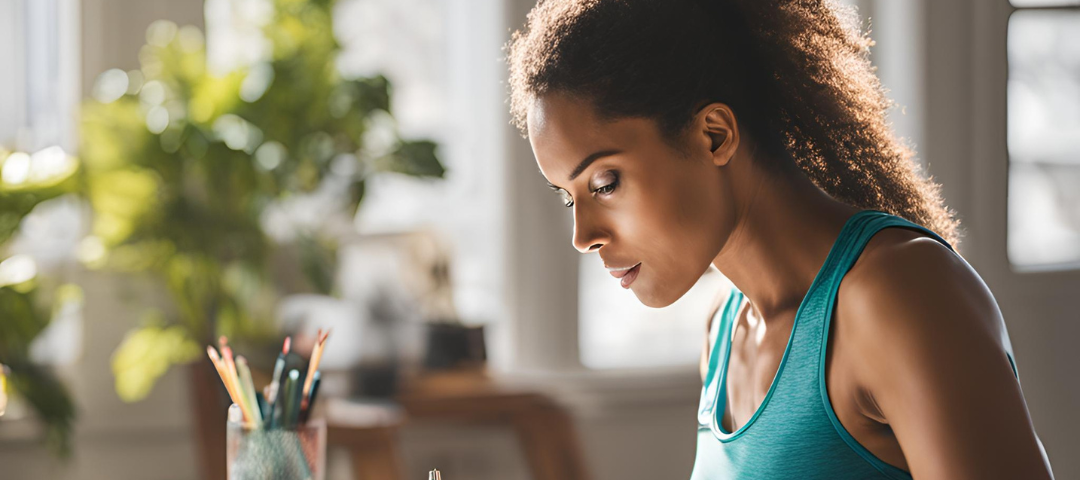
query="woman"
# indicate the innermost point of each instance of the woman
(751, 134)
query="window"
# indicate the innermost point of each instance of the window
(1044, 135)
(38, 90)
(442, 59)
(39, 93)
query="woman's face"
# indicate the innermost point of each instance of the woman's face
(639, 200)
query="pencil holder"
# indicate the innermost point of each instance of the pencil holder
(277, 453)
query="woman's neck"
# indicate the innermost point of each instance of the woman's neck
(784, 228)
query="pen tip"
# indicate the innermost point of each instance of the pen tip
(288, 344)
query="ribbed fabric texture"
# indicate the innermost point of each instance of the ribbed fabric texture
(795, 433)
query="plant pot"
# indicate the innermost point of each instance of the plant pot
(210, 404)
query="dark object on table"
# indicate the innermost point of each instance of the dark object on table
(451, 344)
(378, 380)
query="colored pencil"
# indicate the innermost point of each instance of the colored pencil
(248, 387)
(292, 402)
(311, 362)
(230, 365)
(309, 404)
(275, 383)
(219, 365)
(313, 365)
(230, 370)
(264, 408)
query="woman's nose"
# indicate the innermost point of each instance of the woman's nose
(588, 236)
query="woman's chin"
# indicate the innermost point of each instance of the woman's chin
(653, 298)
(649, 298)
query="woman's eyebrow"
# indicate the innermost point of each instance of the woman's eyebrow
(585, 164)
(590, 159)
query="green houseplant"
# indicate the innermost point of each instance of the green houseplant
(181, 166)
(25, 297)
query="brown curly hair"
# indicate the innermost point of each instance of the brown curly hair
(796, 73)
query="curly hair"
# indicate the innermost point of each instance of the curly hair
(796, 73)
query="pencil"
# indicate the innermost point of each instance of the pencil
(248, 386)
(230, 366)
(311, 362)
(220, 367)
(292, 403)
(305, 409)
(313, 365)
(275, 382)
(230, 371)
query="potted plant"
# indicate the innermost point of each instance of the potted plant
(186, 172)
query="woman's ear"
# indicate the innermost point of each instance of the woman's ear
(717, 140)
(719, 126)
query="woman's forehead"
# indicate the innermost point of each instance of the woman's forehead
(561, 117)
(562, 126)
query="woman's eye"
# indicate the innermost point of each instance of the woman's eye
(568, 201)
(610, 187)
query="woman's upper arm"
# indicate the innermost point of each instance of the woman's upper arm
(932, 358)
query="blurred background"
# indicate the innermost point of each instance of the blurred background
(173, 171)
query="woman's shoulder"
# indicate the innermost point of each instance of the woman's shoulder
(929, 341)
(907, 283)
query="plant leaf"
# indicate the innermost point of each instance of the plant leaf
(145, 354)
(416, 158)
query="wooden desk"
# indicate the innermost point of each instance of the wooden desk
(545, 429)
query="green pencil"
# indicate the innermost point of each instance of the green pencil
(248, 386)
(292, 399)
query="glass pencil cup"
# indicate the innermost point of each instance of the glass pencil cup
(274, 454)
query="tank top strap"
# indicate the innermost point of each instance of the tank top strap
(861, 229)
(853, 240)
(812, 320)
(721, 324)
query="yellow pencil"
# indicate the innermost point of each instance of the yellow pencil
(230, 386)
(313, 365)
(230, 370)
(248, 387)
(230, 365)
(219, 365)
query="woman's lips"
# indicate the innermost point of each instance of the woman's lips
(629, 276)
(620, 272)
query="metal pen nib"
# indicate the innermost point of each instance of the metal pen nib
(434, 475)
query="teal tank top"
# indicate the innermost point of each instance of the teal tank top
(795, 433)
